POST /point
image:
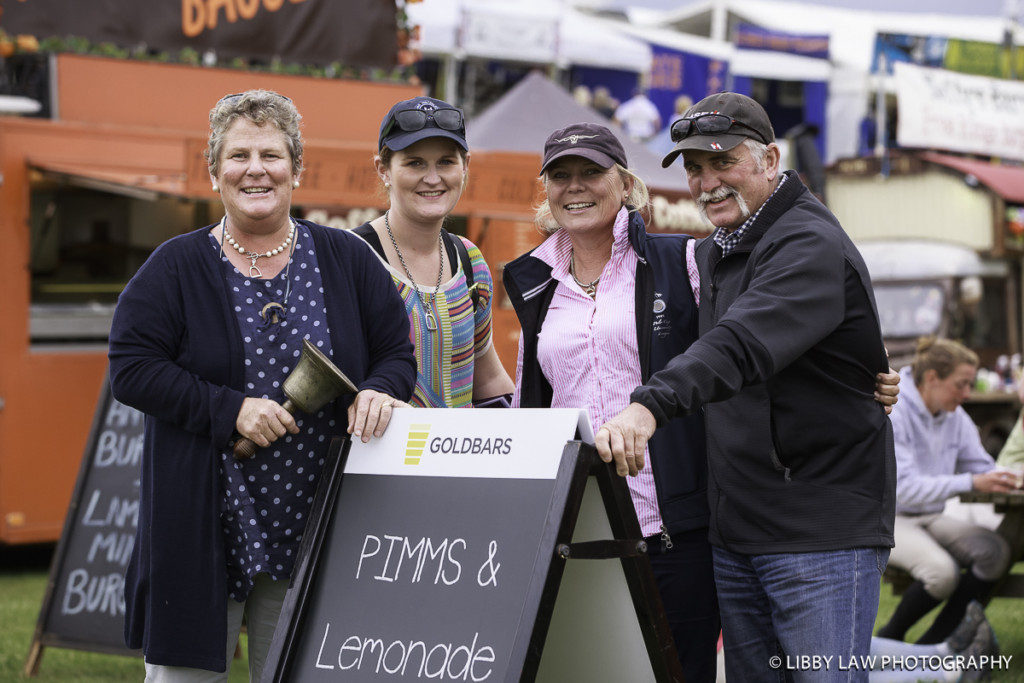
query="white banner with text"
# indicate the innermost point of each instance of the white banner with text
(940, 109)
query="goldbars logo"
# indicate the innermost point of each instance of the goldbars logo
(415, 444)
(419, 440)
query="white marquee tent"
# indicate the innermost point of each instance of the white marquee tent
(535, 31)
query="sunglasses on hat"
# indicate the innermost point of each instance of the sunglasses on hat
(416, 119)
(707, 124)
(239, 95)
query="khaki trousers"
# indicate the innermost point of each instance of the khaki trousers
(934, 547)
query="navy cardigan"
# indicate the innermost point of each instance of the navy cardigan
(176, 355)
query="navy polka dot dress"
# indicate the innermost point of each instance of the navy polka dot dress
(266, 498)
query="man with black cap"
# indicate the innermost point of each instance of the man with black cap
(801, 478)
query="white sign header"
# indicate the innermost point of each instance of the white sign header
(941, 109)
(523, 443)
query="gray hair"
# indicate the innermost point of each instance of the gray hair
(259, 106)
(638, 198)
(759, 151)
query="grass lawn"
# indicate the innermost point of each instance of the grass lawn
(23, 574)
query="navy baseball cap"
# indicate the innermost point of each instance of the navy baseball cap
(588, 140)
(410, 121)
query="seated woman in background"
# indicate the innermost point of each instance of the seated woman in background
(938, 456)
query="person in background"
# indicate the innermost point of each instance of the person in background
(939, 455)
(1012, 453)
(801, 478)
(581, 95)
(1010, 459)
(604, 103)
(423, 162)
(638, 117)
(202, 338)
(803, 148)
(867, 131)
(661, 144)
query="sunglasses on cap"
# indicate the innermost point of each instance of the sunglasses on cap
(239, 95)
(412, 120)
(707, 124)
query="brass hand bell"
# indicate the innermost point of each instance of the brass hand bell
(313, 383)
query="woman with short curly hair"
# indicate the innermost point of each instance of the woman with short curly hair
(202, 339)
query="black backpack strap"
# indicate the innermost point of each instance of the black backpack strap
(367, 232)
(467, 265)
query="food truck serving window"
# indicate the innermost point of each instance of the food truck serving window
(909, 311)
(87, 239)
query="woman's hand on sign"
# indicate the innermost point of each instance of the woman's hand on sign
(370, 413)
(264, 421)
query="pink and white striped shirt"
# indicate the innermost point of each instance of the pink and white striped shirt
(587, 348)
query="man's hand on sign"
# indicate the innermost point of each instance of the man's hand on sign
(370, 413)
(624, 439)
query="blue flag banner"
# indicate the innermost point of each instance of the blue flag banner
(757, 38)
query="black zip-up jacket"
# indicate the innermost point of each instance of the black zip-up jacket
(800, 454)
(666, 323)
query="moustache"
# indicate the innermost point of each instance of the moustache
(718, 195)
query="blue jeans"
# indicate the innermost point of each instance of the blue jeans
(780, 611)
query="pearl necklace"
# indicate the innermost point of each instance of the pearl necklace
(254, 271)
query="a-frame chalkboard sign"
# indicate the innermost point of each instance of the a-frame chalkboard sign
(472, 546)
(83, 607)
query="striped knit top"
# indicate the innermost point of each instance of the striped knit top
(444, 357)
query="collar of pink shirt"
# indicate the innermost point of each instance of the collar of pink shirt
(556, 249)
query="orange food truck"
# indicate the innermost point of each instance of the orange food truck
(117, 170)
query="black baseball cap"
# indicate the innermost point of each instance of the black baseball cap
(588, 140)
(448, 123)
(750, 120)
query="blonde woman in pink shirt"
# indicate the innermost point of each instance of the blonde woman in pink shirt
(602, 305)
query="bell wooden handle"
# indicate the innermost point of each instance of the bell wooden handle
(245, 447)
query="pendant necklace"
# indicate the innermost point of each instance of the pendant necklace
(589, 289)
(428, 304)
(254, 270)
(273, 312)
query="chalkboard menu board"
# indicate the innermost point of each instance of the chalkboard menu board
(84, 603)
(438, 551)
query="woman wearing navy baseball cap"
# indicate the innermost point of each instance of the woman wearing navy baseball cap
(423, 160)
